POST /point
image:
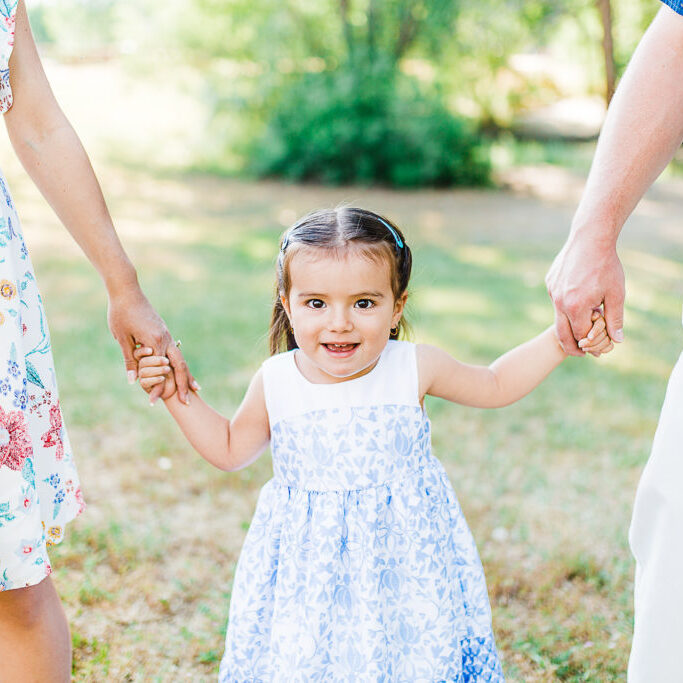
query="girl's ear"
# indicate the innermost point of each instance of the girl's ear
(285, 304)
(399, 305)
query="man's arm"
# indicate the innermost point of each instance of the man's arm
(642, 131)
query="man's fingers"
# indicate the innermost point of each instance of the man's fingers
(579, 320)
(564, 334)
(614, 315)
(181, 372)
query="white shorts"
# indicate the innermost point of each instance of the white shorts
(656, 539)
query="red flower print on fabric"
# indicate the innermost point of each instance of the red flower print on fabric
(15, 445)
(52, 436)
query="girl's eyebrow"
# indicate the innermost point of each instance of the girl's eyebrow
(359, 295)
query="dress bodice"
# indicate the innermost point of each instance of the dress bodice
(349, 435)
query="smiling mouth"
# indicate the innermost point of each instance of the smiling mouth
(340, 348)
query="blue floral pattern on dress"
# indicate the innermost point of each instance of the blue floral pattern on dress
(358, 564)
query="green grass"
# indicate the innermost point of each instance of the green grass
(540, 471)
(546, 484)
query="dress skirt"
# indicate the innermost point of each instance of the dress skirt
(39, 487)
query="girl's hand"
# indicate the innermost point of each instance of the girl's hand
(156, 376)
(597, 340)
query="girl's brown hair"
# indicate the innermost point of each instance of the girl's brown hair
(335, 231)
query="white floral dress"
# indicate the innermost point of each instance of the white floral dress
(39, 489)
(358, 564)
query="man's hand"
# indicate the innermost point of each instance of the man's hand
(586, 275)
(133, 321)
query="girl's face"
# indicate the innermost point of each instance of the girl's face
(342, 310)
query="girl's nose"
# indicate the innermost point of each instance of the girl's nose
(339, 321)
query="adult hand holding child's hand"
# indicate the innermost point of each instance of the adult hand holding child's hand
(133, 321)
(586, 275)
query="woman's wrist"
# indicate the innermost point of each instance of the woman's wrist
(123, 283)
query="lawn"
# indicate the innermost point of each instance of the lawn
(547, 484)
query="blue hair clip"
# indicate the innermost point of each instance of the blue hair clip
(399, 241)
(285, 241)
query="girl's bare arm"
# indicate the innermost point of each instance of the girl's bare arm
(508, 378)
(227, 444)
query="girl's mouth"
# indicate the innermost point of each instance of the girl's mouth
(341, 350)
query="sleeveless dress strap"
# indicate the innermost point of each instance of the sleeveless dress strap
(8, 10)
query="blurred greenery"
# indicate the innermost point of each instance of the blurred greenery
(390, 91)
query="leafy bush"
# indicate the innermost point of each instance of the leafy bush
(366, 125)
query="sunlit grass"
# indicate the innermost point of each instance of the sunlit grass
(546, 484)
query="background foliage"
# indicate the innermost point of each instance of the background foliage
(403, 92)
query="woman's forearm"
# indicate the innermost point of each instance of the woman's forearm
(642, 131)
(55, 160)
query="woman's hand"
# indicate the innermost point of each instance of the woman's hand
(133, 321)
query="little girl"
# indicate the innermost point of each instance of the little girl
(358, 565)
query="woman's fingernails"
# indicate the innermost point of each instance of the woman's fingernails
(618, 336)
(195, 386)
(132, 376)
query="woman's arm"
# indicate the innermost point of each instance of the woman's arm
(54, 158)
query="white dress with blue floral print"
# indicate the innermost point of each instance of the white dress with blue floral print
(39, 489)
(358, 564)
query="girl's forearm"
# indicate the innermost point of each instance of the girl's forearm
(205, 429)
(523, 368)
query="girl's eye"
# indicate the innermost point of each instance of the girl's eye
(365, 303)
(315, 303)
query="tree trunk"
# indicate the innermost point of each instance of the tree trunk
(348, 29)
(608, 49)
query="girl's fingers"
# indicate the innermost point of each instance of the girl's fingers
(148, 382)
(153, 361)
(598, 326)
(156, 371)
(586, 344)
(142, 351)
(605, 347)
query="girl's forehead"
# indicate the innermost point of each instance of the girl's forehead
(349, 269)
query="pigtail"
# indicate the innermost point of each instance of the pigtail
(280, 335)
